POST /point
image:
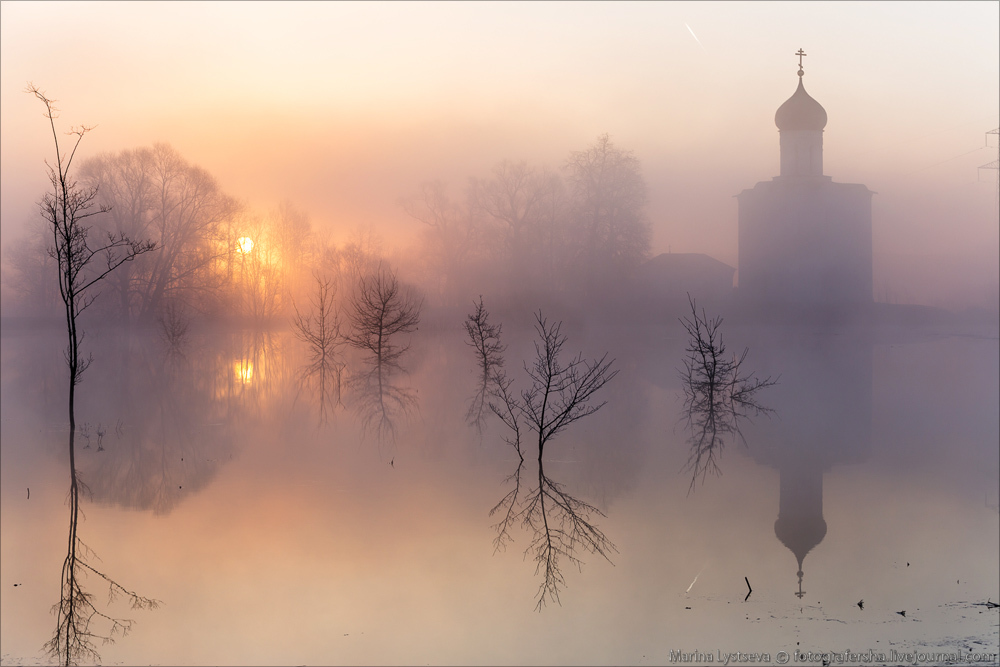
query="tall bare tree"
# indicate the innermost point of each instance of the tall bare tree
(561, 393)
(66, 208)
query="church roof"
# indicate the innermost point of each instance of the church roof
(800, 112)
(687, 262)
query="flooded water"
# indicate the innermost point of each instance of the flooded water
(274, 536)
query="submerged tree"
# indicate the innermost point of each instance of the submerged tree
(320, 330)
(65, 209)
(717, 393)
(381, 310)
(561, 525)
(484, 337)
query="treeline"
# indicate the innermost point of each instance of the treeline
(519, 231)
(215, 256)
(525, 230)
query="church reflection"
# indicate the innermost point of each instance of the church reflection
(805, 259)
(824, 408)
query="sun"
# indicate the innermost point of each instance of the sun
(244, 244)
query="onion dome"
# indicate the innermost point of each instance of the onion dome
(800, 534)
(800, 112)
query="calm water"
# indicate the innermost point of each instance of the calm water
(273, 538)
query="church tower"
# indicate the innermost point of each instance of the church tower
(803, 239)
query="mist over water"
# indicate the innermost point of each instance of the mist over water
(572, 333)
(270, 536)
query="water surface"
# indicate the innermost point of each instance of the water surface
(274, 538)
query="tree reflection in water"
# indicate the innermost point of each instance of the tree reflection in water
(382, 310)
(320, 330)
(717, 394)
(379, 402)
(484, 338)
(74, 638)
(172, 433)
(560, 524)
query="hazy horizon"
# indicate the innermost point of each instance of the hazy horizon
(343, 108)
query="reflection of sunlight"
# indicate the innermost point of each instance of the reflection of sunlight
(253, 371)
(244, 244)
(243, 370)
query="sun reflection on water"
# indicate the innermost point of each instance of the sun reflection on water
(243, 369)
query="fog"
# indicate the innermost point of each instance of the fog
(342, 109)
(494, 333)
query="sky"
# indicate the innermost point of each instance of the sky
(342, 108)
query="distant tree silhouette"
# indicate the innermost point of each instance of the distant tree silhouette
(451, 236)
(155, 193)
(608, 208)
(66, 208)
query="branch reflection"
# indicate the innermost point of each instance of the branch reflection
(320, 330)
(718, 394)
(561, 393)
(379, 401)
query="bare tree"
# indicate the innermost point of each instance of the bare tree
(484, 337)
(526, 208)
(609, 198)
(560, 395)
(381, 310)
(561, 525)
(28, 269)
(717, 393)
(155, 193)
(66, 208)
(320, 330)
(513, 199)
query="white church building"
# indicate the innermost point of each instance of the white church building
(803, 239)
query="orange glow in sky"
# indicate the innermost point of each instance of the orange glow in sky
(344, 107)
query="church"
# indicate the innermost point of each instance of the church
(803, 239)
